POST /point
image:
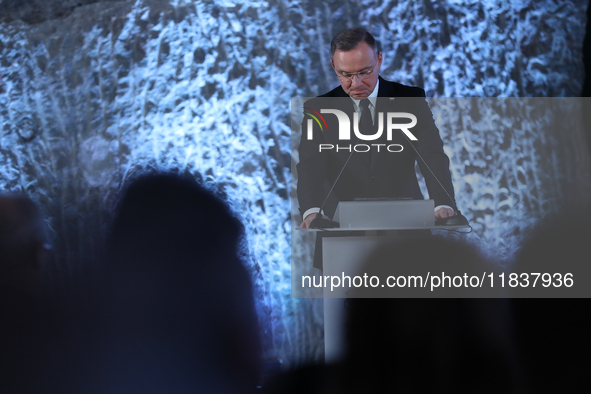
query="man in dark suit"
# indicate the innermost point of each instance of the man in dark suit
(387, 168)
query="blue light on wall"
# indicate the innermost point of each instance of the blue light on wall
(115, 88)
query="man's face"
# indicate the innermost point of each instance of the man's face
(360, 59)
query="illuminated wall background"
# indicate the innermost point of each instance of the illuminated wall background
(94, 92)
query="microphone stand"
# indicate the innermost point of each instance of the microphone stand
(319, 222)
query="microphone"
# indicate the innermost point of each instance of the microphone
(458, 219)
(319, 222)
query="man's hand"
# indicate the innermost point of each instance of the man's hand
(443, 213)
(309, 218)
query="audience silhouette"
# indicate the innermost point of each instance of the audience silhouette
(439, 344)
(24, 322)
(23, 245)
(178, 306)
(553, 332)
(415, 345)
(172, 310)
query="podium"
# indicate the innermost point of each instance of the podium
(382, 222)
(385, 214)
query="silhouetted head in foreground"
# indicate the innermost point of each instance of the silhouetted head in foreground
(553, 324)
(23, 244)
(24, 329)
(560, 245)
(179, 299)
(412, 345)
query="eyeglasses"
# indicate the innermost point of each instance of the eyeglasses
(361, 75)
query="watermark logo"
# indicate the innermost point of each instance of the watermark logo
(344, 132)
(315, 115)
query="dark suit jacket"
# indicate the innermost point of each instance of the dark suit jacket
(384, 174)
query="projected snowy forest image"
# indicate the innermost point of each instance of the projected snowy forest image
(95, 96)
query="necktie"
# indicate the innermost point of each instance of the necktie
(365, 124)
(365, 121)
